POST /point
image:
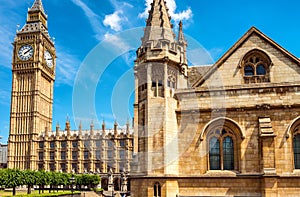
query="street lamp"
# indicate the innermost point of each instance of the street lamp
(72, 181)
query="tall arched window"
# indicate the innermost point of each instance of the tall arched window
(228, 153)
(296, 146)
(214, 153)
(256, 67)
(157, 190)
(221, 149)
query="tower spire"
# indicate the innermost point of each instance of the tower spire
(159, 25)
(37, 6)
(182, 42)
(36, 19)
(181, 38)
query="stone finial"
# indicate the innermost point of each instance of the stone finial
(181, 38)
(92, 129)
(46, 131)
(127, 127)
(57, 129)
(68, 127)
(80, 130)
(80, 126)
(103, 128)
(116, 128)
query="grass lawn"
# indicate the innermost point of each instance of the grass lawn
(33, 193)
(9, 193)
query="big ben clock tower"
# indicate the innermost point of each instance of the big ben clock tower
(33, 74)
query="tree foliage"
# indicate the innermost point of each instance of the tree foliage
(12, 178)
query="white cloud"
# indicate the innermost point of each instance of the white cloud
(114, 20)
(171, 4)
(92, 17)
(185, 15)
(116, 42)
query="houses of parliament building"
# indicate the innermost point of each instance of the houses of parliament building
(32, 144)
(228, 129)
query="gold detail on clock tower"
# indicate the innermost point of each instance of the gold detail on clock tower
(33, 67)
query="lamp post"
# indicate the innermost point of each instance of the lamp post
(72, 181)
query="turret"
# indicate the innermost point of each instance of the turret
(160, 69)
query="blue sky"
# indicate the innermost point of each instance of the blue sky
(83, 28)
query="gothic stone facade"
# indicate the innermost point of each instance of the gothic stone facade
(91, 151)
(230, 129)
(32, 144)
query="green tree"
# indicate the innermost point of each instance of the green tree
(54, 176)
(78, 180)
(87, 180)
(43, 178)
(2, 177)
(94, 180)
(13, 178)
(30, 179)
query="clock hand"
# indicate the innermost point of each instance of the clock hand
(27, 51)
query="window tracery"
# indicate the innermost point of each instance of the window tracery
(256, 67)
(222, 149)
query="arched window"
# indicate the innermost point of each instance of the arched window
(260, 70)
(221, 150)
(228, 154)
(249, 71)
(256, 66)
(214, 154)
(296, 146)
(157, 190)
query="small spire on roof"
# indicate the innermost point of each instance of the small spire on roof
(37, 6)
(181, 38)
(80, 126)
(159, 23)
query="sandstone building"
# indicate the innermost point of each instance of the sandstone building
(32, 144)
(230, 129)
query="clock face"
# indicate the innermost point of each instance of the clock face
(48, 59)
(25, 52)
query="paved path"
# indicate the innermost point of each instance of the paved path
(89, 194)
